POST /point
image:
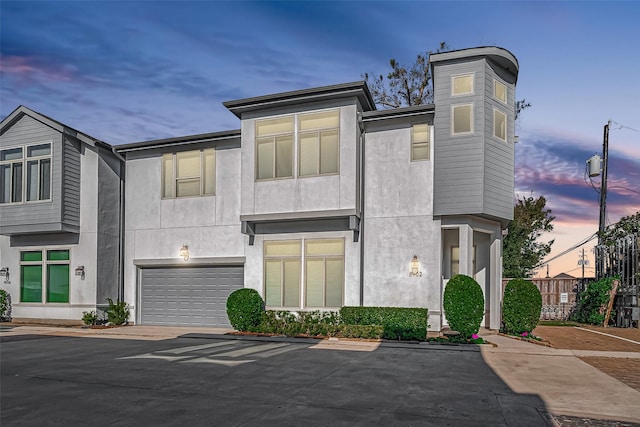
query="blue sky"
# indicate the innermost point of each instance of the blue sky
(131, 71)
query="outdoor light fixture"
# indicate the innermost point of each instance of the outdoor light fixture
(5, 272)
(184, 252)
(415, 267)
(80, 271)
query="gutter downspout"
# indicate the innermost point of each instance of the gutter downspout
(361, 189)
(121, 227)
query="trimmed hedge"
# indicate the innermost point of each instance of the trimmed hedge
(521, 306)
(245, 309)
(5, 306)
(398, 323)
(463, 305)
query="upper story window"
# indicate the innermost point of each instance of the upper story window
(317, 141)
(420, 142)
(500, 91)
(462, 119)
(462, 85)
(318, 135)
(500, 125)
(189, 173)
(274, 148)
(25, 173)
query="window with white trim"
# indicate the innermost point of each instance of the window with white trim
(189, 173)
(499, 125)
(25, 173)
(315, 137)
(462, 119)
(462, 85)
(44, 276)
(420, 135)
(500, 91)
(321, 264)
(318, 135)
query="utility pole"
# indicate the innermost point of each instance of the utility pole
(582, 262)
(603, 185)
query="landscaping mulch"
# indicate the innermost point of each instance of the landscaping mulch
(572, 338)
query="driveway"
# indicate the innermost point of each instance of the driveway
(217, 380)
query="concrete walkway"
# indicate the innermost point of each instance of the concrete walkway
(566, 384)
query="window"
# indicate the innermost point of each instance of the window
(500, 91)
(462, 118)
(318, 142)
(324, 268)
(25, 173)
(500, 125)
(282, 266)
(462, 85)
(455, 260)
(189, 173)
(44, 279)
(317, 139)
(420, 142)
(274, 148)
(323, 262)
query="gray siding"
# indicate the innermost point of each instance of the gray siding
(39, 216)
(71, 183)
(108, 222)
(458, 160)
(473, 174)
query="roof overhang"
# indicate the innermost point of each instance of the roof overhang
(179, 141)
(499, 55)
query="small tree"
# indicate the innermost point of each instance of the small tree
(627, 225)
(592, 300)
(464, 305)
(245, 309)
(521, 306)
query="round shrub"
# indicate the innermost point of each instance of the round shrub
(464, 305)
(245, 309)
(521, 306)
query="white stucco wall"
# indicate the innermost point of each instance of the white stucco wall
(156, 228)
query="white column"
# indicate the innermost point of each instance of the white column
(465, 243)
(495, 286)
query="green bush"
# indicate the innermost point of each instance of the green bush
(313, 323)
(89, 317)
(591, 300)
(360, 331)
(399, 323)
(521, 306)
(5, 306)
(245, 309)
(118, 312)
(463, 305)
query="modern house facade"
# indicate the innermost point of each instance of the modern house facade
(320, 201)
(60, 218)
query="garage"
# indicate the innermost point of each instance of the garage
(194, 296)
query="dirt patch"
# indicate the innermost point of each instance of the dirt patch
(571, 338)
(624, 370)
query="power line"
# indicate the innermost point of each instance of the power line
(625, 127)
(566, 251)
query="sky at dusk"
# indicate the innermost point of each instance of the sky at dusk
(126, 72)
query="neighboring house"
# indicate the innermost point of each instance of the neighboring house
(60, 218)
(320, 201)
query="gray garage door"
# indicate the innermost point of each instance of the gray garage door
(195, 296)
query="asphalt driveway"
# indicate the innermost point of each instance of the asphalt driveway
(217, 380)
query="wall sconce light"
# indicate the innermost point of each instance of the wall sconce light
(80, 271)
(415, 267)
(184, 252)
(5, 273)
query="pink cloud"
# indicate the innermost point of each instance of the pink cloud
(30, 68)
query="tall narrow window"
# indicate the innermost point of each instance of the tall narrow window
(274, 148)
(31, 276)
(11, 165)
(500, 91)
(282, 268)
(500, 125)
(38, 172)
(189, 173)
(420, 142)
(58, 276)
(462, 85)
(319, 148)
(324, 273)
(462, 119)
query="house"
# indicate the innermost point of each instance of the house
(319, 200)
(60, 218)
